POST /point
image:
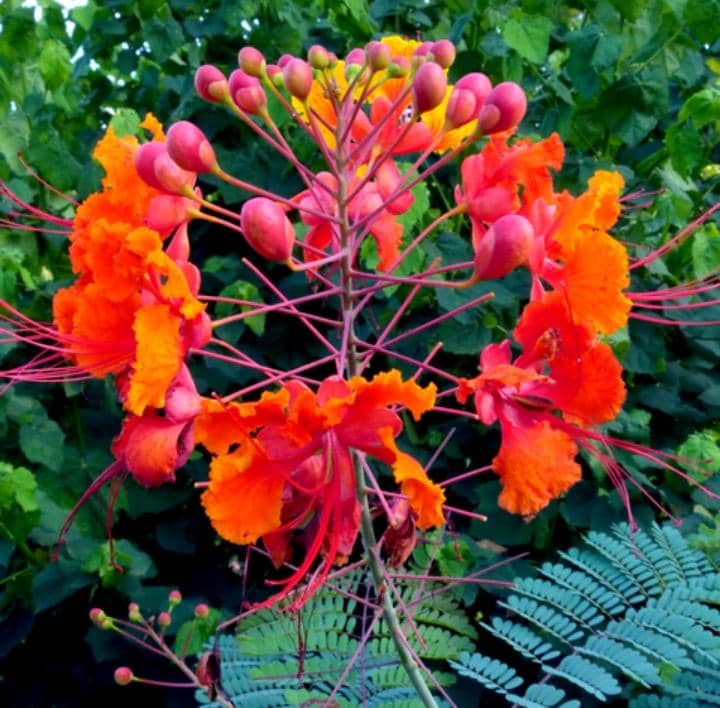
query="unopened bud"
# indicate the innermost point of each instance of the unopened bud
(399, 68)
(284, 59)
(211, 84)
(318, 57)
(247, 93)
(171, 177)
(444, 53)
(123, 675)
(175, 597)
(134, 612)
(298, 78)
(378, 55)
(461, 108)
(505, 246)
(354, 63)
(198, 332)
(251, 61)
(428, 87)
(504, 108)
(189, 148)
(164, 619)
(97, 616)
(145, 158)
(420, 55)
(166, 212)
(275, 75)
(207, 669)
(332, 58)
(202, 611)
(267, 229)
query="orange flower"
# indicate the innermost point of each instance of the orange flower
(284, 464)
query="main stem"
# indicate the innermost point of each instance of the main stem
(367, 533)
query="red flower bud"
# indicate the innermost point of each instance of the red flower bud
(428, 87)
(251, 61)
(423, 50)
(182, 401)
(171, 177)
(145, 158)
(461, 108)
(379, 55)
(399, 68)
(208, 668)
(198, 332)
(318, 57)
(134, 612)
(247, 93)
(189, 148)
(355, 57)
(504, 246)
(267, 229)
(298, 78)
(97, 616)
(480, 86)
(202, 610)
(174, 597)
(166, 212)
(504, 108)
(284, 59)
(444, 53)
(164, 620)
(211, 84)
(123, 676)
(275, 75)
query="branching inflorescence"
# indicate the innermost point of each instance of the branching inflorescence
(295, 458)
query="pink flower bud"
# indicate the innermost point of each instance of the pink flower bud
(145, 158)
(461, 108)
(267, 229)
(505, 246)
(211, 84)
(247, 93)
(171, 177)
(478, 83)
(298, 78)
(444, 53)
(134, 612)
(275, 75)
(97, 616)
(202, 610)
(318, 57)
(284, 59)
(378, 55)
(174, 597)
(251, 61)
(428, 87)
(182, 401)
(356, 57)
(166, 212)
(123, 675)
(332, 58)
(510, 104)
(198, 332)
(354, 62)
(164, 619)
(399, 68)
(387, 180)
(189, 148)
(423, 50)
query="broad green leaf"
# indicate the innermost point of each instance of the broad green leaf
(57, 581)
(529, 36)
(17, 484)
(686, 148)
(702, 450)
(702, 107)
(194, 634)
(125, 122)
(42, 441)
(706, 250)
(242, 290)
(54, 63)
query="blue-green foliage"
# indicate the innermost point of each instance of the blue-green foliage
(631, 615)
(283, 659)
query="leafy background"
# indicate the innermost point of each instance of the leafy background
(629, 85)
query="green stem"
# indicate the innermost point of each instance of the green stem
(367, 533)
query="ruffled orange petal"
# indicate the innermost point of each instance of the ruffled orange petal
(593, 277)
(388, 388)
(536, 464)
(590, 390)
(154, 126)
(244, 498)
(158, 359)
(175, 285)
(424, 496)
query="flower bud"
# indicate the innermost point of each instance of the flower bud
(167, 211)
(171, 177)
(354, 62)
(332, 59)
(207, 669)
(444, 53)
(123, 675)
(247, 93)
(164, 620)
(420, 55)
(298, 78)
(275, 75)
(504, 108)
(378, 55)
(202, 610)
(97, 616)
(267, 229)
(211, 84)
(504, 246)
(251, 61)
(134, 612)
(284, 59)
(461, 108)
(175, 597)
(145, 158)
(198, 332)
(399, 68)
(318, 57)
(428, 87)
(189, 148)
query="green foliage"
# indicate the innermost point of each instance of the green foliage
(279, 658)
(631, 614)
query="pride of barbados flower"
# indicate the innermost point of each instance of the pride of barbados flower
(283, 464)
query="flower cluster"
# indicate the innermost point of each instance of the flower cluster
(293, 464)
